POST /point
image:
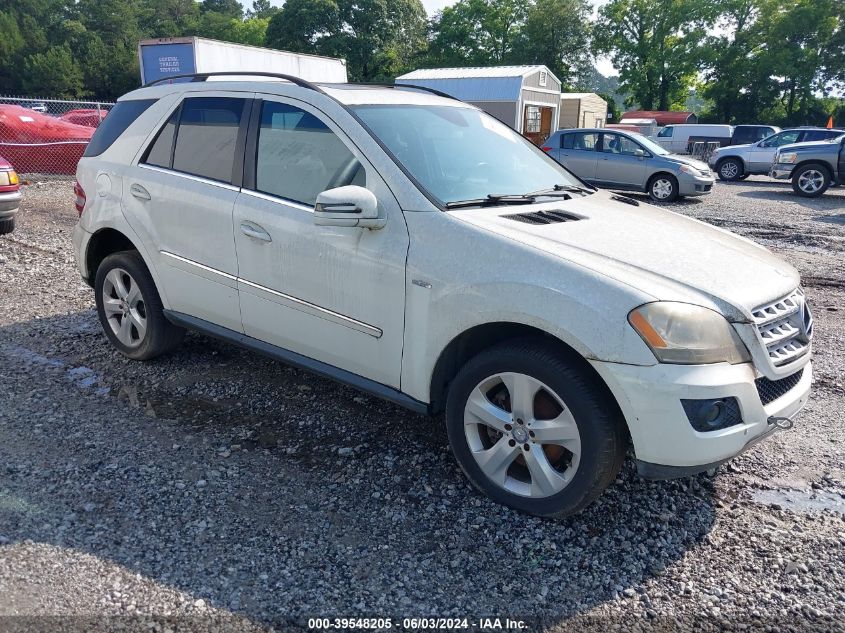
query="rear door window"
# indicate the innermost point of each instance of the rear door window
(206, 137)
(160, 152)
(584, 141)
(119, 118)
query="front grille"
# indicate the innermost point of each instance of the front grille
(771, 390)
(543, 217)
(785, 327)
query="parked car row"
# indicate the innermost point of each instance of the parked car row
(620, 159)
(680, 139)
(740, 161)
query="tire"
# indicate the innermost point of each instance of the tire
(730, 170)
(663, 188)
(7, 226)
(133, 319)
(574, 467)
(811, 181)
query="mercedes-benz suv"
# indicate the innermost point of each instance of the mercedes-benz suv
(412, 246)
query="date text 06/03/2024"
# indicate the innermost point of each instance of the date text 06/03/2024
(417, 624)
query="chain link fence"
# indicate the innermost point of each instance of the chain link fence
(42, 137)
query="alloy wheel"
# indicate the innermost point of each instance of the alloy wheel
(522, 435)
(729, 170)
(124, 306)
(811, 181)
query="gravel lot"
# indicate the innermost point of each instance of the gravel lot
(232, 492)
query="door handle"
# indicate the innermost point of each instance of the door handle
(253, 230)
(139, 192)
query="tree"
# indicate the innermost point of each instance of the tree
(656, 45)
(799, 35)
(378, 38)
(305, 26)
(738, 79)
(262, 9)
(54, 73)
(477, 33)
(169, 18)
(229, 8)
(557, 34)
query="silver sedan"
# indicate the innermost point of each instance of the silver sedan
(628, 161)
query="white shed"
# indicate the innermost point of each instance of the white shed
(582, 109)
(527, 98)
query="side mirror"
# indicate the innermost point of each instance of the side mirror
(348, 206)
(639, 153)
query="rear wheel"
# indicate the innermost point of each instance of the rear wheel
(730, 169)
(810, 181)
(7, 226)
(532, 431)
(663, 188)
(130, 308)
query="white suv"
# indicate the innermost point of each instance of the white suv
(414, 247)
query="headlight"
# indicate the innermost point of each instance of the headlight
(687, 169)
(8, 178)
(788, 157)
(686, 334)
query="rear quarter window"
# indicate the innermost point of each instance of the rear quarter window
(119, 118)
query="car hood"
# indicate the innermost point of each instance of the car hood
(663, 254)
(686, 160)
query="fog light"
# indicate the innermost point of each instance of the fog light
(712, 414)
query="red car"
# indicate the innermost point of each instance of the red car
(89, 117)
(10, 196)
(38, 143)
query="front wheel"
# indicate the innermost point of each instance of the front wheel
(7, 226)
(730, 169)
(130, 308)
(532, 430)
(810, 181)
(663, 188)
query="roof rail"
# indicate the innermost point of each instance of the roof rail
(299, 81)
(433, 91)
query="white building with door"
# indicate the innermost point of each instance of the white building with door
(527, 98)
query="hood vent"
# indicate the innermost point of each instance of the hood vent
(542, 217)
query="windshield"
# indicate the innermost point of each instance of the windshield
(460, 154)
(648, 144)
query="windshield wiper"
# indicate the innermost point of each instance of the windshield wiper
(493, 199)
(568, 188)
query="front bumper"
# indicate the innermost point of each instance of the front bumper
(665, 443)
(781, 171)
(689, 185)
(9, 203)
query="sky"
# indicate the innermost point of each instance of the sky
(433, 6)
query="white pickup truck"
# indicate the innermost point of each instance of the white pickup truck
(412, 246)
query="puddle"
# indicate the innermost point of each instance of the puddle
(802, 500)
(82, 377)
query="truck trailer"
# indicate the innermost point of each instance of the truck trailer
(170, 56)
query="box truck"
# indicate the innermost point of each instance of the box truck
(166, 57)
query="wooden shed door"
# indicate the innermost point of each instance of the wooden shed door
(537, 123)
